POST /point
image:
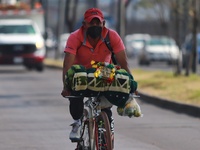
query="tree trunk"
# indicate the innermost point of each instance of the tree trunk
(121, 20)
(70, 20)
(194, 41)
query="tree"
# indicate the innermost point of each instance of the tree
(122, 5)
(159, 7)
(184, 18)
(192, 62)
(71, 12)
(194, 33)
(70, 18)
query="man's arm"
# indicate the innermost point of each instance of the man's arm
(122, 60)
(67, 63)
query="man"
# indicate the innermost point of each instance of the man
(83, 46)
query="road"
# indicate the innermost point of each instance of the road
(35, 117)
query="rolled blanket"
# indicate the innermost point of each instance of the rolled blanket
(116, 87)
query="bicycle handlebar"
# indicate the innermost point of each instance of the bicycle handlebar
(80, 96)
(133, 95)
(73, 96)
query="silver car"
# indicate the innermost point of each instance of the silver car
(159, 48)
(134, 43)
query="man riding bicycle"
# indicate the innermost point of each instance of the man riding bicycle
(87, 44)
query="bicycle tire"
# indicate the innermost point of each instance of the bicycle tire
(85, 143)
(103, 140)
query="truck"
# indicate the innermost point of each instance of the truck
(22, 36)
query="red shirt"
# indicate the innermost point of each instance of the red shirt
(78, 45)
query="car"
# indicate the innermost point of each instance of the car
(159, 48)
(187, 48)
(134, 43)
(62, 43)
(50, 40)
(21, 42)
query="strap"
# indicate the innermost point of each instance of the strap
(107, 42)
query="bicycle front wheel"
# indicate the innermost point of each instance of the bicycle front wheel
(103, 140)
(85, 142)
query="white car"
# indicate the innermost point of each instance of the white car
(62, 42)
(21, 42)
(159, 48)
(134, 43)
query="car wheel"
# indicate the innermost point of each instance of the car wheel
(40, 67)
(141, 62)
(147, 62)
(170, 62)
(28, 67)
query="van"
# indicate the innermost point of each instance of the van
(21, 42)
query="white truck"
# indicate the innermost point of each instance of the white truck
(21, 36)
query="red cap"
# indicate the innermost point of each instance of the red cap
(93, 13)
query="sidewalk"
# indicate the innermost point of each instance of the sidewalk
(193, 111)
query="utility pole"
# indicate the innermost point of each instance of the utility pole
(92, 3)
(122, 18)
(194, 36)
(61, 23)
(45, 6)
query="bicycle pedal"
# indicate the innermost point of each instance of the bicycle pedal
(75, 140)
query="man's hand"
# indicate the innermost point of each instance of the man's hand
(65, 92)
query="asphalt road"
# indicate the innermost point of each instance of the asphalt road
(35, 117)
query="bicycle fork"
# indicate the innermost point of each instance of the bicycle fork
(91, 128)
(100, 133)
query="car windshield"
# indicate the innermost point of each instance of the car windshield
(130, 41)
(19, 29)
(198, 42)
(139, 41)
(160, 41)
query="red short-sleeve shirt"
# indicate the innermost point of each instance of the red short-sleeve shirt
(78, 45)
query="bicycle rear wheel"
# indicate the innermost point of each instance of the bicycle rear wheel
(103, 140)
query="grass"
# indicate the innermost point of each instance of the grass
(165, 85)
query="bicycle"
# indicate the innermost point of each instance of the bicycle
(95, 127)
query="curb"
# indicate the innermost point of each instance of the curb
(190, 110)
(53, 63)
(187, 109)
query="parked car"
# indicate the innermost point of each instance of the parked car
(21, 42)
(50, 40)
(134, 43)
(62, 42)
(187, 48)
(159, 48)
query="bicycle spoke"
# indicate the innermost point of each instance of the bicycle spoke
(84, 144)
(104, 133)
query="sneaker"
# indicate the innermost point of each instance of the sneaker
(75, 133)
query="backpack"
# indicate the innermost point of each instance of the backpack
(107, 42)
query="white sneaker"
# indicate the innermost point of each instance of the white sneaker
(75, 133)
